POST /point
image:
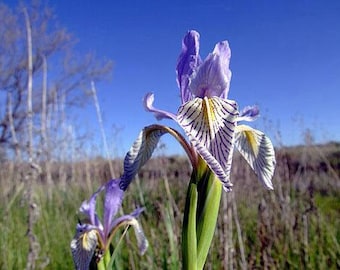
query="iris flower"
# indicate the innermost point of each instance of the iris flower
(93, 237)
(210, 119)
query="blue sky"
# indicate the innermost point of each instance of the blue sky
(285, 58)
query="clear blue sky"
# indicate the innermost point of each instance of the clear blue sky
(285, 58)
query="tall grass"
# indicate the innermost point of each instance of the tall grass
(296, 226)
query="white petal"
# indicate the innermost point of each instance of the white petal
(258, 151)
(209, 123)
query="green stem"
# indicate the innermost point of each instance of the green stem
(101, 263)
(209, 193)
(189, 240)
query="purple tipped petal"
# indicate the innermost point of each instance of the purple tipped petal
(159, 114)
(213, 76)
(188, 61)
(249, 113)
(113, 201)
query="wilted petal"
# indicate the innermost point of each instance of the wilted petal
(249, 113)
(188, 61)
(209, 124)
(112, 203)
(212, 78)
(139, 153)
(83, 246)
(258, 151)
(159, 114)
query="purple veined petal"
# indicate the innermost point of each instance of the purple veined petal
(209, 123)
(188, 61)
(112, 203)
(83, 246)
(258, 151)
(211, 78)
(159, 114)
(88, 208)
(139, 153)
(249, 113)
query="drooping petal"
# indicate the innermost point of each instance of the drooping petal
(132, 220)
(209, 124)
(139, 153)
(188, 61)
(88, 208)
(258, 151)
(249, 113)
(212, 78)
(83, 246)
(159, 114)
(112, 203)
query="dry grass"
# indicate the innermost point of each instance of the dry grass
(296, 226)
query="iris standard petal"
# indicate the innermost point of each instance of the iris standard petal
(211, 78)
(222, 49)
(209, 123)
(88, 208)
(112, 203)
(159, 114)
(188, 61)
(258, 151)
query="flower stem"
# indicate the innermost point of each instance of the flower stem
(189, 240)
(209, 196)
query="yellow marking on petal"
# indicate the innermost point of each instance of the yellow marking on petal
(209, 114)
(89, 238)
(252, 141)
(248, 132)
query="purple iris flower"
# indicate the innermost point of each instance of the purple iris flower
(209, 118)
(94, 236)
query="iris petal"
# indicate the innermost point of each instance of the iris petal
(88, 208)
(209, 123)
(83, 246)
(249, 113)
(258, 151)
(213, 76)
(159, 114)
(188, 61)
(222, 49)
(132, 220)
(139, 153)
(112, 203)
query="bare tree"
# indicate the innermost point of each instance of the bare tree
(69, 74)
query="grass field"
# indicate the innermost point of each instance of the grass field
(296, 226)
